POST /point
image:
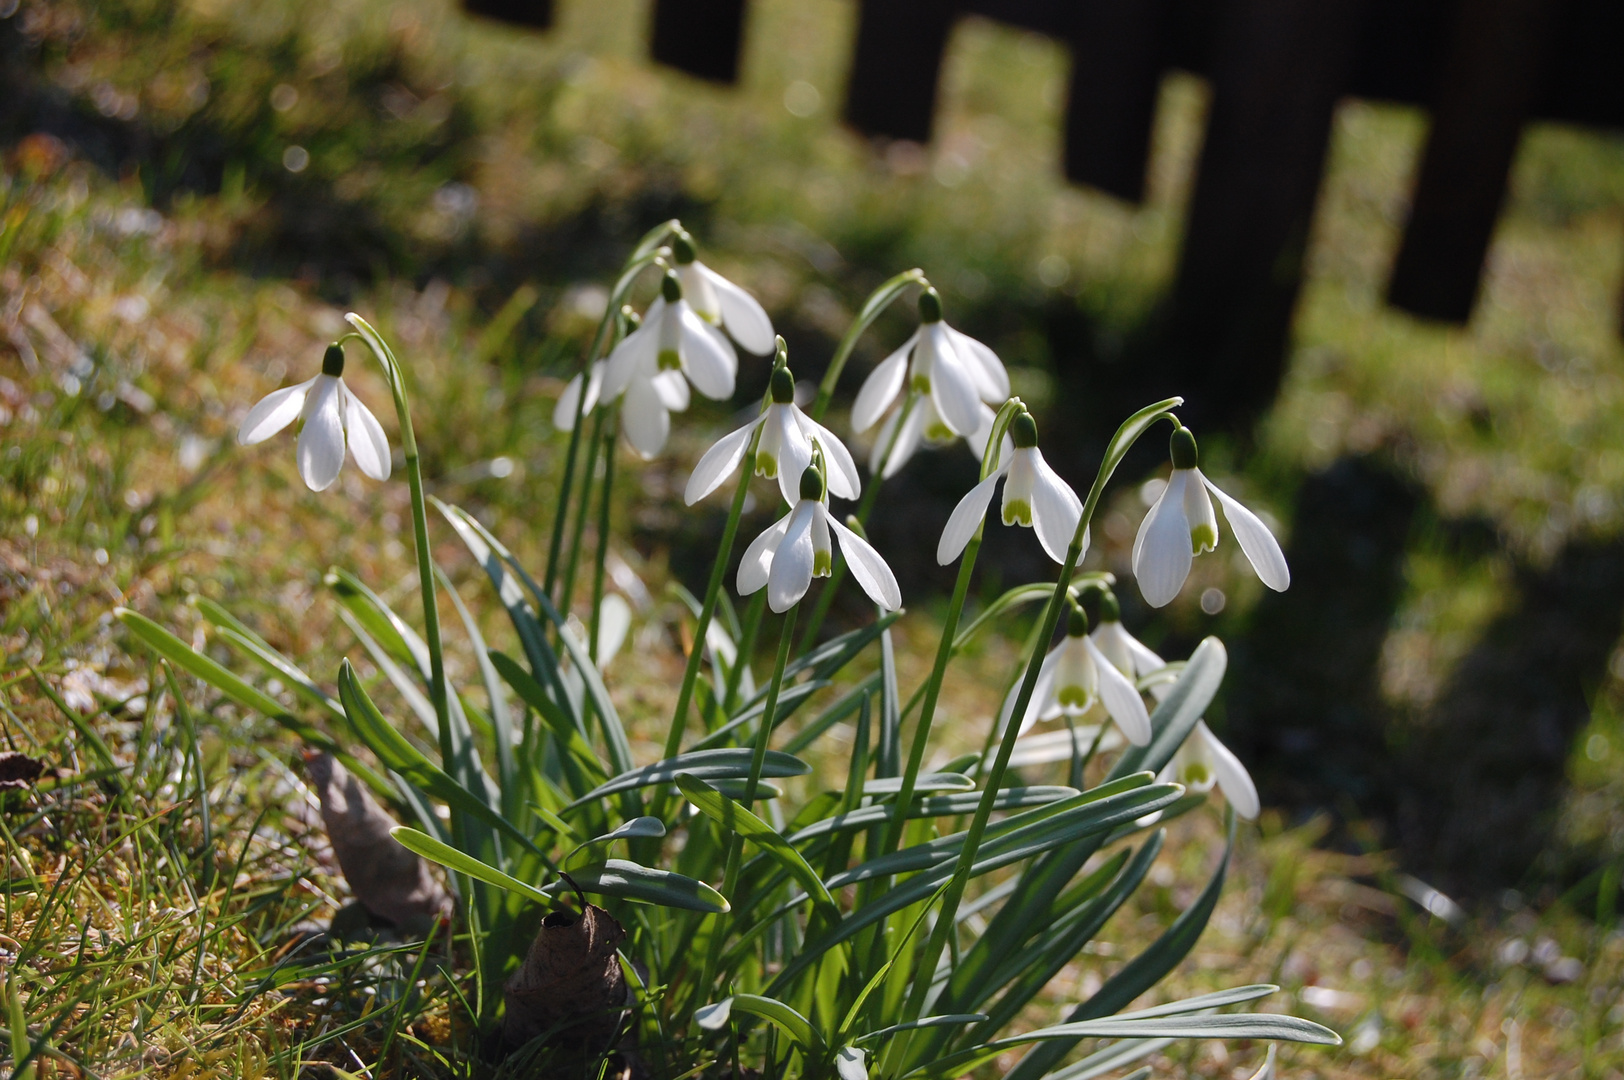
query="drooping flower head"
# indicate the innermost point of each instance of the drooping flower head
(1034, 496)
(788, 555)
(653, 365)
(1074, 676)
(1126, 653)
(785, 449)
(720, 302)
(1181, 525)
(330, 416)
(1204, 761)
(956, 372)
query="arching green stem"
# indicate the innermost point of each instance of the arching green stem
(877, 302)
(947, 917)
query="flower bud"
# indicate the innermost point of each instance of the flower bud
(1110, 610)
(1076, 622)
(930, 305)
(812, 484)
(783, 386)
(1023, 431)
(332, 361)
(671, 288)
(682, 247)
(1183, 449)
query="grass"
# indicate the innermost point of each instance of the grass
(150, 895)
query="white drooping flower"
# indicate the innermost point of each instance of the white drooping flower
(1181, 525)
(788, 555)
(785, 450)
(1126, 652)
(1204, 761)
(570, 400)
(720, 302)
(958, 373)
(653, 365)
(331, 416)
(924, 427)
(1074, 676)
(1034, 496)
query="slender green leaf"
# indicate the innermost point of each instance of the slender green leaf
(630, 881)
(390, 630)
(785, 1018)
(789, 699)
(449, 857)
(400, 755)
(705, 764)
(562, 727)
(927, 782)
(234, 630)
(936, 806)
(944, 1020)
(737, 819)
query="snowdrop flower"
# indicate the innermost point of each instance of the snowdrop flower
(1034, 496)
(785, 450)
(1074, 676)
(1126, 653)
(720, 302)
(570, 400)
(330, 415)
(653, 365)
(958, 372)
(1181, 525)
(792, 552)
(924, 427)
(1204, 761)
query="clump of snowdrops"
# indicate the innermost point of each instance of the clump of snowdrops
(742, 934)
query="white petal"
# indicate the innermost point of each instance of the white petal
(1144, 660)
(644, 419)
(907, 441)
(1120, 698)
(1113, 641)
(1056, 510)
(849, 1063)
(966, 519)
(570, 400)
(881, 387)
(867, 567)
(791, 573)
(719, 463)
(991, 376)
(794, 455)
(1261, 548)
(707, 356)
(1042, 695)
(843, 481)
(744, 318)
(321, 444)
(758, 557)
(1161, 551)
(672, 389)
(1233, 779)
(952, 387)
(614, 622)
(367, 440)
(635, 355)
(273, 412)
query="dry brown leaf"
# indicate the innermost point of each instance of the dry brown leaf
(18, 771)
(570, 987)
(389, 881)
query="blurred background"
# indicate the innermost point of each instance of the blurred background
(1378, 246)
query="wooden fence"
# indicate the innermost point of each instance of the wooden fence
(1277, 68)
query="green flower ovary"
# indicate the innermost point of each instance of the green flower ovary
(1073, 697)
(1203, 538)
(669, 360)
(1017, 512)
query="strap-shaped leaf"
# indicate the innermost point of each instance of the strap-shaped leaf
(232, 629)
(1140, 973)
(705, 764)
(233, 686)
(614, 733)
(380, 620)
(926, 782)
(400, 755)
(562, 727)
(790, 698)
(463, 863)
(996, 852)
(1111, 1057)
(944, 1020)
(849, 702)
(953, 805)
(786, 1019)
(1177, 713)
(507, 765)
(737, 819)
(631, 881)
